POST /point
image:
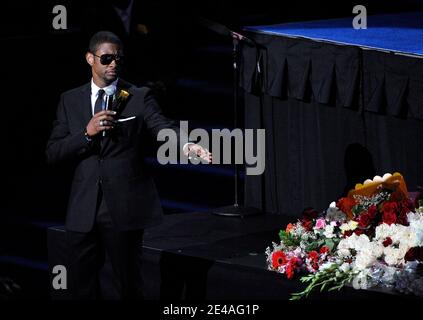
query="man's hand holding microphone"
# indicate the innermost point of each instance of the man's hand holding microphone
(101, 121)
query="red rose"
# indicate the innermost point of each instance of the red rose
(389, 210)
(402, 219)
(307, 224)
(390, 206)
(389, 217)
(291, 266)
(372, 211)
(415, 253)
(348, 233)
(289, 271)
(313, 255)
(324, 249)
(278, 259)
(406, 206)
(358, 231)
(314, 259)
(297, 261)
(346, 205)
(387, 242)
(364, 220)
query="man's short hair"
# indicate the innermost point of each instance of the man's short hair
(103, 37)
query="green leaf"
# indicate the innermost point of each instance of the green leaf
(282, 234)
(330, 244)
(324, 280)
(323, 287)
(288, 239)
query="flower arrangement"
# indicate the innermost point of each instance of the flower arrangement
(371, 238)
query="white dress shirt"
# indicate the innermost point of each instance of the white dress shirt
(94, 92)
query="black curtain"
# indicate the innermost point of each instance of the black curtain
(334, 116)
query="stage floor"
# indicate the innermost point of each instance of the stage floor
(400, 33)
(200, 256)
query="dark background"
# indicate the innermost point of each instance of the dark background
(193, 64)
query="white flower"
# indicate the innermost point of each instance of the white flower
(364, 261)
(343, 253)
(367, 252)
(362, 241)
(345, 267)
(393, 256)
(344, 227)
(304, 237)
(418, 237)
(416, 225)
(325, 266)
(402, 235)
(399, 234)
(328, 233)
(347, 243)
(351, 225)
(360, 280)
(382, 232)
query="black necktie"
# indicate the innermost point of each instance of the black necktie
(99, 102)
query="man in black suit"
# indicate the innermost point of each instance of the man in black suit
(112, 198)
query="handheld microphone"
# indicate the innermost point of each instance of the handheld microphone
(110, 91)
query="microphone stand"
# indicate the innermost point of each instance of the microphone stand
(235, 210)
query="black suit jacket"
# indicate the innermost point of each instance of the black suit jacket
(115, 162)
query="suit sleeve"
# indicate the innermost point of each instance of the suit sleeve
(62, 145)
(156, 121)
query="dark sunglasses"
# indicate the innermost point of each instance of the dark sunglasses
(107, 58)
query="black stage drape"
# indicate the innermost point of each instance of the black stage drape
(334, 116)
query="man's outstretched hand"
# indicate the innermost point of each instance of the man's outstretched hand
(195, 150)
(101, 121)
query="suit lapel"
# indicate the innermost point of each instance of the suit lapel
(85, 105)
(121, 85)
